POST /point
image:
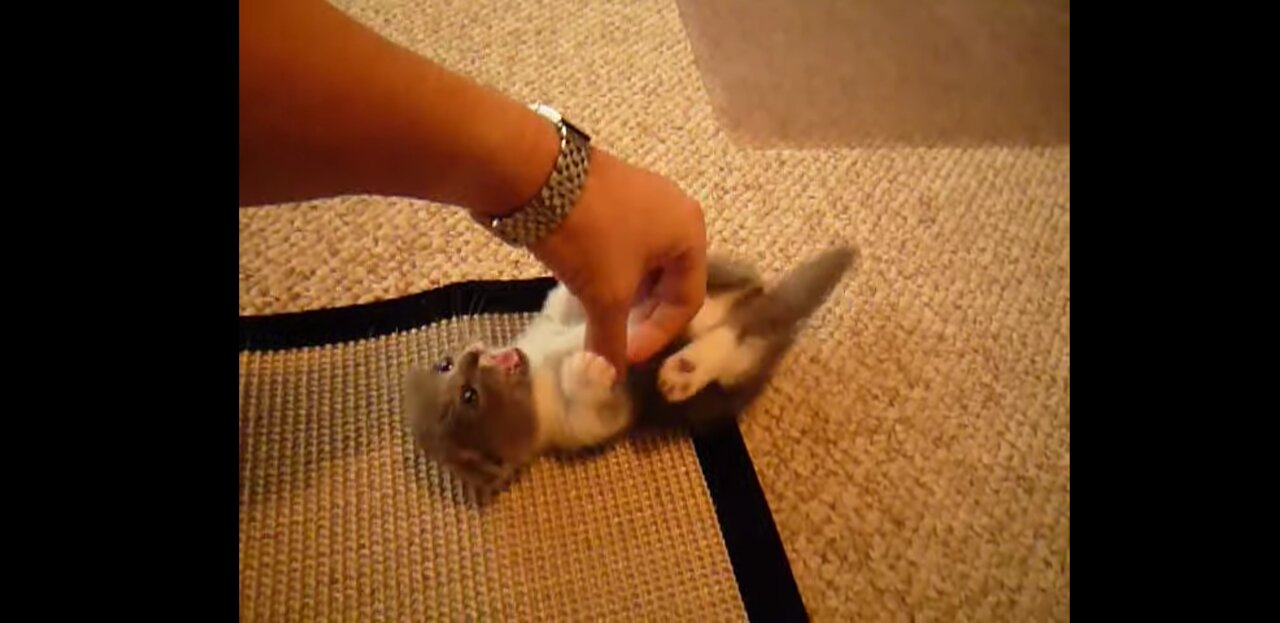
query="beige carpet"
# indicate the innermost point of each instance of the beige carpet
(915, 446)
(885, 72)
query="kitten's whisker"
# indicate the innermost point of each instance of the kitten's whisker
(476, 305)
(453, 306)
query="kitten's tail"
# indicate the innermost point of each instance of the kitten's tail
(806, 287)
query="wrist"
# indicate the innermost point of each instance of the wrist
(559, 192)
(518, 154)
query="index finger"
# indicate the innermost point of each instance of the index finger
(607, 334)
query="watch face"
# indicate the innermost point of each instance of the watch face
(547, 112)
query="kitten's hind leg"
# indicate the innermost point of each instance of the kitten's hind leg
(720, 355)
(725, 275)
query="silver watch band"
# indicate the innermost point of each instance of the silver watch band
(527, 225)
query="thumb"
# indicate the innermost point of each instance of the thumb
(656, 331)
(677, 298)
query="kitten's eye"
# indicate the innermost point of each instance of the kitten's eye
(445, 365)
(468, 396)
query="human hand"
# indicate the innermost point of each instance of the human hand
(634, 239)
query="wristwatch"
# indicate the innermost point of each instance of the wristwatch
(529, 223)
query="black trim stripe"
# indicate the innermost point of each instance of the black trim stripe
(768, 589)
(357, 322)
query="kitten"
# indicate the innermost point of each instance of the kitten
(486, 412)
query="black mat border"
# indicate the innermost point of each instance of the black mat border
(765, 582)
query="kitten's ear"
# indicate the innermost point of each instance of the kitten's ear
(418, 386)
(470, 338)
(416, 383)
(478, 471)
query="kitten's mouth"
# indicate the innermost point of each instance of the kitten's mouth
(512, 361)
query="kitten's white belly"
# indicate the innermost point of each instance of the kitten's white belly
(546, 343)
(560, 332)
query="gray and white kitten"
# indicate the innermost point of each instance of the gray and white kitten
(486, 412)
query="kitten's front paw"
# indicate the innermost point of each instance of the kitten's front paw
(677, 380)
(590, 371)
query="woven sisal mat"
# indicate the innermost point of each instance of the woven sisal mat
(340, 518)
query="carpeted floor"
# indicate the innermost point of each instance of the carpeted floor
(914, 447)
(877, 72)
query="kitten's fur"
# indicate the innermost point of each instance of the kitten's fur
(486, 412)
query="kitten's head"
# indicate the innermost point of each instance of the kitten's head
(473, 412)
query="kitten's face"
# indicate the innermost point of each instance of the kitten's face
(473, 411)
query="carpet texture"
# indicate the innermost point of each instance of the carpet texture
(878, 72)
(914, 447)
(341, 519)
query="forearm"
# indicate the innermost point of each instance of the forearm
(328, 107)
